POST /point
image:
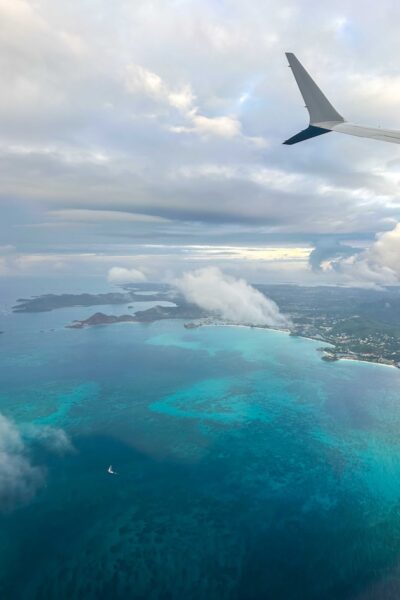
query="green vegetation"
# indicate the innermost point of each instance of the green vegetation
(362, 324)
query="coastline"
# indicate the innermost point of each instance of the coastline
(330, 356)
(372, 362)
(311, 339)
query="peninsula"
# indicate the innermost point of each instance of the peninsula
(101, 319)
(157, 313)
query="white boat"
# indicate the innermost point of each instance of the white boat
(110, 470)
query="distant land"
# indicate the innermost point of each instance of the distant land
(49, 302)
(356, 323)
(361, 324)
(100, 319)
(156, 313)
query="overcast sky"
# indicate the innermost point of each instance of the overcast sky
(148, 135)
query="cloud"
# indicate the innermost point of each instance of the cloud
(108, 137)
(51, 438)
(20, 478)
(386, 251)
(327, 250)
(227, 127)
(376, 266)
(123, 275)
(229, 298)
(142, 81)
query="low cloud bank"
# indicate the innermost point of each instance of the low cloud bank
(376, 266)
(20, 479)
(229, 298)
(123, 275)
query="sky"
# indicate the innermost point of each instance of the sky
(140, 140)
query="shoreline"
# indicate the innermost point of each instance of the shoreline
(289, 333)
(198, 324)
(371, 362)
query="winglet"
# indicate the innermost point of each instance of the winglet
(319, 108)
(317, 104)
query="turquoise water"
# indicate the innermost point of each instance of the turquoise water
(247, 467)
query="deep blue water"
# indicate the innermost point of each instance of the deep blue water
(247, 467)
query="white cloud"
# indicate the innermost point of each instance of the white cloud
(20, 478)
(123, 275)
(182, 98)
(228, 127)
(139, 80)
(94, 121)
(377, 265)
(230, 298)
(386, 251)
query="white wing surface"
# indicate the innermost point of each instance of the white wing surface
(324, 117)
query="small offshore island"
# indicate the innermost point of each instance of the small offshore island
(358, 324)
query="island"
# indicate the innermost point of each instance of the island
(150, 315)
(100, 319)
(48, 302)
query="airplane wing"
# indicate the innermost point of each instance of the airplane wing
(324, 117)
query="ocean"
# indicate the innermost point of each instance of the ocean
(247, 467)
